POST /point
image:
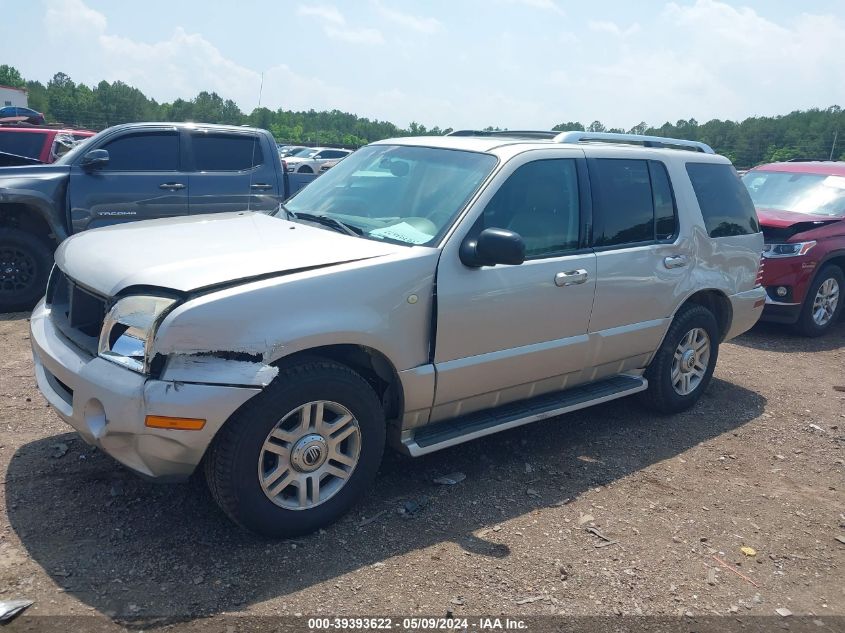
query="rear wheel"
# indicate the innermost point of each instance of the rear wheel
(823, 303)
(683, 366)
(25, 263)
(299, 455)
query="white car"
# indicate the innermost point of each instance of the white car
(309, 162)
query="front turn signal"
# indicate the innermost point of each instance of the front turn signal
(178, 424)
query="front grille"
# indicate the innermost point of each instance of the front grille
(77, 312)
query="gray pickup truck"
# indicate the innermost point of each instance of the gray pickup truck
(136, 171)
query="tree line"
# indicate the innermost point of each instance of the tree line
(810, 133)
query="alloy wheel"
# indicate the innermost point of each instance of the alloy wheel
(825, 302)
(17, 270)
(309, 455)
(689, 365)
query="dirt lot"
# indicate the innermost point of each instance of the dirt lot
(758, 463)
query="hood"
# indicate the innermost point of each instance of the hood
(11, 173)
(779, 219)
(190, 253)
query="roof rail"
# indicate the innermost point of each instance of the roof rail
(633, 139)
(519, 134)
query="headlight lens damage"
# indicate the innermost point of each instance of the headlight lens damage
(129, 329)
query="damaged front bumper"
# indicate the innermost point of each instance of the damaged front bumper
(108, 404)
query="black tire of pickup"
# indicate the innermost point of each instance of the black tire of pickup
(661, 395)
(25, 262)
(233, 462)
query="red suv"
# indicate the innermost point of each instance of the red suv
(801, 206)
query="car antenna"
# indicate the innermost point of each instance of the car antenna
(254, 143)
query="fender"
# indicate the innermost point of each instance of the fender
(42, 190)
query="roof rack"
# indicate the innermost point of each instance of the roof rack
(519, 134)
(591, 137)
(633, 139)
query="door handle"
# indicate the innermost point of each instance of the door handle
(571, 278)
(260, 186)
(171, 185)
(675, 261)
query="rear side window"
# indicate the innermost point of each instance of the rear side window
(226, 152)
(725, 203)
(155, 151)
(632, 202)
(27, 144)
(665, 213)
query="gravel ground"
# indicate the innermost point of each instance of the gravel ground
(608, 511)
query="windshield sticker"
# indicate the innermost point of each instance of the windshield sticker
(403, 232)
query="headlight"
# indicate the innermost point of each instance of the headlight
(793, 249)
(129, 329)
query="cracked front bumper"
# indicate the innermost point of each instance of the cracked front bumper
(108, 404)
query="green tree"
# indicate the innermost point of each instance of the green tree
(10, 76)
(569, 126)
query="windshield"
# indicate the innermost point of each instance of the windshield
(304, 152)
(407, 195)
(814, 194)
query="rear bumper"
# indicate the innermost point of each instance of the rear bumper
(747, 307)
(107, 405)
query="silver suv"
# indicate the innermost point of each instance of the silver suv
(426, 291)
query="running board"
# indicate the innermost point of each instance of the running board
(434, 437)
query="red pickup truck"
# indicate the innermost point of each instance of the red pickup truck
(25, 145)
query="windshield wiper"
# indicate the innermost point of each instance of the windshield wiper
(325, 220)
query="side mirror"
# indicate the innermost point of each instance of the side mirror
(491, 247)
(95, 159)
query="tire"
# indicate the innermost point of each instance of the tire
(823, 303)
(244, 459)
(668, 391)
(25, 263)
(305, 169)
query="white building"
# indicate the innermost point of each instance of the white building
(12, 97)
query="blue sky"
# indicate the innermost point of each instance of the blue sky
(459, 63)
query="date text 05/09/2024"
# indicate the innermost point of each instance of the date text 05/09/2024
(417, 624)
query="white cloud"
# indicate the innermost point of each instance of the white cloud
(177, 67)
(545, 5)
(336, 26)
(329, 14)
(416, 23)
(65, 16)
(354, 35)
(606, 26)
(708, 59)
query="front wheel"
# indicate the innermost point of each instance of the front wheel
(823, 303)
(25, 263)
(683, 365)
(298, 456)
